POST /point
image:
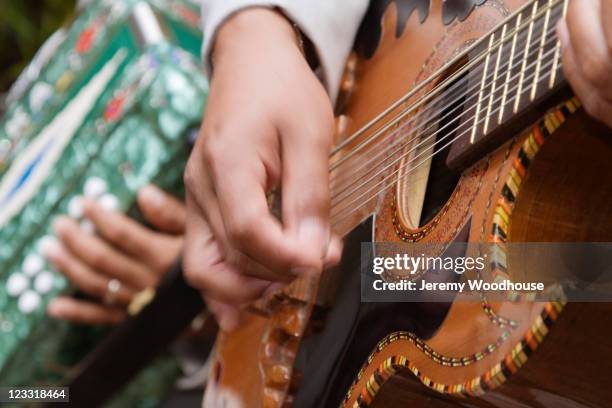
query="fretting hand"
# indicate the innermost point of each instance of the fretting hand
(586, 36)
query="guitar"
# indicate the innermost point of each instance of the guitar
(455, 123)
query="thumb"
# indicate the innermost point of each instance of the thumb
(305, 200)
(161, 210)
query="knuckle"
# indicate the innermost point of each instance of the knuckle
(190, 176)
(594, 106)
(190, 275)
(240, 228)
(116, 234)
(96, 289)
(597, 69)
(161, 262)
(212, 151)
(194, 275)
(318, 200)
(98, 260)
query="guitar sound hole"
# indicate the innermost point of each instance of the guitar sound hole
(442, 181)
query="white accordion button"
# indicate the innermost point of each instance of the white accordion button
(44, 282)
(16, 284)
(75, 207)
(94, 187)
(28, 302)
(109, 202)
(32, 264)
(46, 244)
(39, 95)
(88, 227)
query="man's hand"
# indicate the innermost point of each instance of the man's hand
(586, 35)
(268, 124)
(124, 250)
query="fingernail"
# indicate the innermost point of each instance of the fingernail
(60, 224)
(563, 33)
(152, 196)
(55, 308)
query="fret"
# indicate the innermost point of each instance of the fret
(509, 70)
(482, 88)
(555, 67)
(517, 100)
(536, 76)
(516, 59)
(495, 74)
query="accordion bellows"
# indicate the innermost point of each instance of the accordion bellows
(110, 112)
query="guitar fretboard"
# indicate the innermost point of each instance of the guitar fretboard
(513, 68)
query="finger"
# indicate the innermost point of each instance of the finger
(606, 17)
(161, 210)
(593, 103)
(206, 205)
(206, 269)
(334, 252)
(100, 256)
(78, 311)
(120, 230)
(249, 226)
(588, 42)
(305, 192)
(81, 275)
(227, 315)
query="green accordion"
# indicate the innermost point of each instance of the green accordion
(108, 114)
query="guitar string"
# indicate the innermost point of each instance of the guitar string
(435, 100)
(346, 195)
(340, 216)
(442, 85)
(335, 203)
(459, 73)
(347, 175)
(425, 111)
(486, 117)
(433, 135)
(343, 213)
(437, 74)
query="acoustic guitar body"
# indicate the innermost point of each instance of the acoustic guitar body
(547, 182)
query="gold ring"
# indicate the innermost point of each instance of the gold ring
(112, 291)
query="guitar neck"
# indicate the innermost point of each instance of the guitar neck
(516, 72)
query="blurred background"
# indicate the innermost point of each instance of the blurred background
(24, 27)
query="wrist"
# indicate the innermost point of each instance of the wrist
(251, 28)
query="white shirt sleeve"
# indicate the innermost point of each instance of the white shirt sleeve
(330, 25)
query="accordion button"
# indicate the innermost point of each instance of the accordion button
(75, 207)
(109, 202)
(46, 244)
(28, 301)
(39, 95)
(94, 187)
(32, 264)
(16, 284)
(88, 227)
(44, 282)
